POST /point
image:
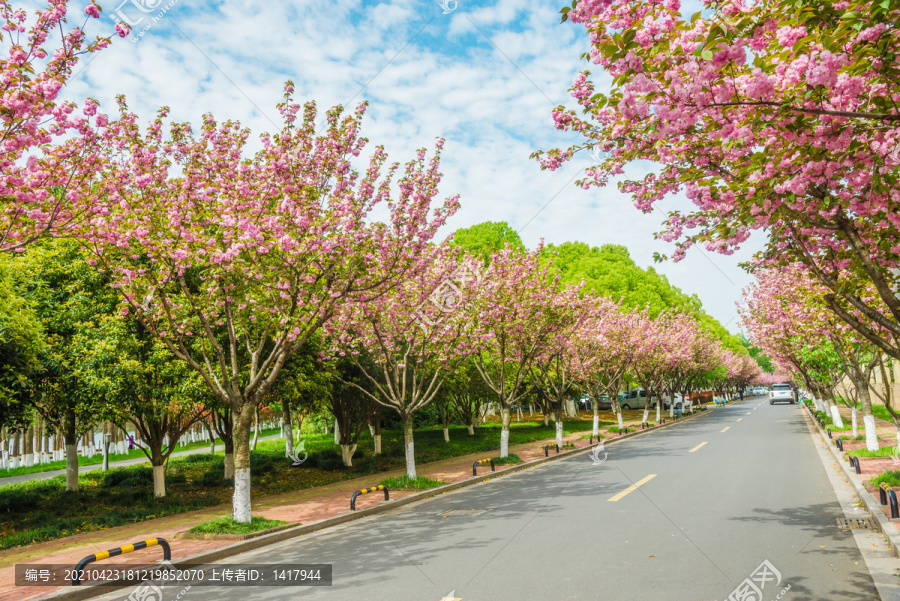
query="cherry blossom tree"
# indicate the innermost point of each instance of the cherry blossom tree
(511, 326)
(766, 115)
(47, 150)
(412, 335)
(234, 261)
(555, 368)
(603, 353)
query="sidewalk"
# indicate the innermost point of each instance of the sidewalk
(304, 506)
(121, 463)
(870, 467)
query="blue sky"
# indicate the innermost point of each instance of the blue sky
(485, 76)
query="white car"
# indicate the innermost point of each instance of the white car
(781, 393)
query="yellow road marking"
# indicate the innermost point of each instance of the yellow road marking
(740, 418)
(632, 488)
(748, 413)
(697, 447)
(726, 428)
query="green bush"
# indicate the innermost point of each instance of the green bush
(198, 458)
(134, 476)
(891, 478)
(212, 479)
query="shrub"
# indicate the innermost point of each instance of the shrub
(136, 476)
(198, 458)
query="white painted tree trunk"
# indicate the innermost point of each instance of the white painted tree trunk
(559, 433)
(595, 429)
(372, 430)
(871, 433)
(546, 420)
(229, 466)
(409, 447)
(240, 502)
(71, 467)
(378, 444)
(29, 459)
(105, 448)
(836, 417)
(347, 451)
(446, 435)
(504, 432)
(159, 481)
(898, 438)
(853, 421)
(337, 432)
(470, 429)
(643, 419)
(658, 412)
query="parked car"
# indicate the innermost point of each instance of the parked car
(636, 399)
(781, 393)
(760, 391)
(603, 402)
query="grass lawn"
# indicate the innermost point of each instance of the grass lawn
(98, 459)
(40, 510)
(227, 525)
(891, 478)
(882, 452)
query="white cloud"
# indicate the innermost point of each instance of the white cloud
(425, 74)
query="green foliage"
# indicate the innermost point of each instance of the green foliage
(511, 459)
(421, 482)
(21, 346)
(227, 525)
(484, 239)
(611, 272)
(891, 478)
(882, 452)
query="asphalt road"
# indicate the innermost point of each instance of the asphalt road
(704, 522)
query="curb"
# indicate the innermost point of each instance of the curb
(888, 528)
(88, 591)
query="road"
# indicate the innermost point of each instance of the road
(717, 497)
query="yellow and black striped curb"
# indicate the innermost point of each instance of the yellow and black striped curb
(144, 544)
(365, 491)
(482, 462)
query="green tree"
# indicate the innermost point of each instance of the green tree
(484, 239)
(70, 298)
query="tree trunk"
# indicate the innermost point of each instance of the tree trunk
(546, 420)
(559, 431)
(470, 429)
(71, 452)
(504, 431)
(29, 446)
(854, 422)
(646, 415)
(337, 432)
(865, 405)
(378, 444)
(621, 422)
(595, 428)
(240, 504)
(347, 451)
(446, 435)
(255, 426)
(212, 439)
(408, 446)
(105, 448)
(159, 481)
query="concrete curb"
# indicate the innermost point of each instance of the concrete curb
(87, 592)
(888, 528)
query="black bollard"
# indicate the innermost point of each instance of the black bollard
(839, 444)
(829, 432)
(895, 512)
